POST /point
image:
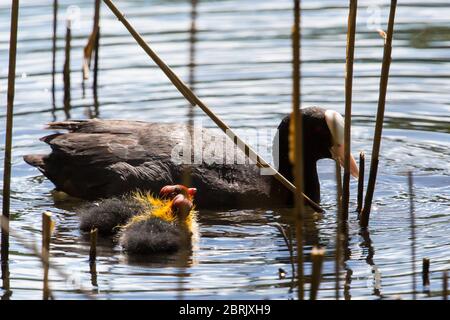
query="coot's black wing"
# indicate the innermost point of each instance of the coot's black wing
(104, 158)
(99, 159)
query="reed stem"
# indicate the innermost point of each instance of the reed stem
(351, 30)
(92, 42)
(362, 162)
(97, 15)
(46, 235)
(445, 285)
(192, 41)
(289, 246)
(5, 281)
(97, 42)
(54, 48)
(93, 272)
(317, 256)
(413, 233)
(96, 57)
(365, 214)
(425, 273)
(298, 138)
(93, 245)
(37, 252)
(66, 72)
(338, 228)
(187, 171)
(194, 100)
(8, 132)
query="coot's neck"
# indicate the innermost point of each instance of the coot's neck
(311, 183)
(310, 177)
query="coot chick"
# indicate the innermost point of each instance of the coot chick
(107, 214)
(146, 224)
(166, 230)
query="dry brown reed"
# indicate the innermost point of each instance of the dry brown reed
(365, 214)
(425, 273)
(362, 161)
(445, 286)
(298, 142)
(93, 245)
(288, 245)
(186, 178)
(317, 256)
(413, 233)
(92, 44)
(35, 251)
(46, 235)
(8, 133)
(351, 30)
(339, 228)
(54, 48)
(194, 100)
(96, 58)
(66, 70)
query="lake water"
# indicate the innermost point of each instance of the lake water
(243, 71)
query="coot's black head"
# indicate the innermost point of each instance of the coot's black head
(323, 137)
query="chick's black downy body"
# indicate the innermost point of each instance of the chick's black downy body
(144, 224)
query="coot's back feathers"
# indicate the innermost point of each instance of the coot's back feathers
(106, 158)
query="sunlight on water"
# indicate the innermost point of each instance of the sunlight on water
(243, 71)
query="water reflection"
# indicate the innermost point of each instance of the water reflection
(93, 272)
(347, 252)
(7, 293)
(236, 57)
(367, 246)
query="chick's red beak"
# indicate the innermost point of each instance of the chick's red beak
(181, 206)
(167, 192)
(192, 192)
(170, 192)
